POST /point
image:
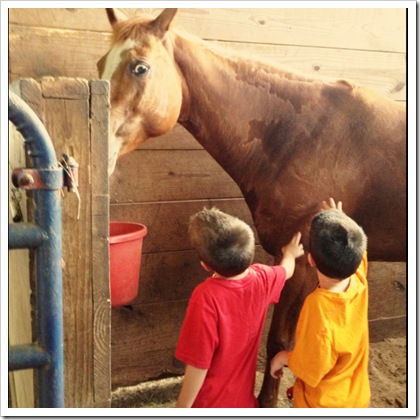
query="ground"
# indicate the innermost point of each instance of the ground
(387, 370)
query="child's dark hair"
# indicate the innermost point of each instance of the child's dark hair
(337, 244)
(224, 242)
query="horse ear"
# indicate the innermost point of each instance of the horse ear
(115, 16)
(163, 21)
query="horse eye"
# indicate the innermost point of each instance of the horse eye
(139, 68)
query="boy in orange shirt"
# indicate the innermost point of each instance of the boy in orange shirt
(330, 356)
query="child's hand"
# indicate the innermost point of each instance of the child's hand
(291, 251)
(294, 247)
(331, 205)
(277, 364)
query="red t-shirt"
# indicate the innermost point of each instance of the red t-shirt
(222, 331)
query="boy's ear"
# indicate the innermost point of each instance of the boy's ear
(205, 266)
(311, 260)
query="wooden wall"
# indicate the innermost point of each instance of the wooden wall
(171, 177)
(76, 116)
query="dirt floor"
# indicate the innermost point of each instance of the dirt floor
(387, 368)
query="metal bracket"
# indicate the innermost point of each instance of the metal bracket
(71, 173)
(38, 179)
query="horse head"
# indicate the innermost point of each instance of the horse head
(146, 87)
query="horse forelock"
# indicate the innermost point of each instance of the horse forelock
(132, 28)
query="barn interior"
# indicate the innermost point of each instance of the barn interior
(52, 66)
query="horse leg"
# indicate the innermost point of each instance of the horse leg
(283, 325)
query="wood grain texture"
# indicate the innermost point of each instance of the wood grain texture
(67, 122)
(167, 222)
(169, 276)
(387, 290)
(380, 329)
(377, 29)
(99, 125)
(77, 123)
(57, 53)
(144, 348)
(170, 175)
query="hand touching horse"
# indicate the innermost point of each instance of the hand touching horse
(288, 141)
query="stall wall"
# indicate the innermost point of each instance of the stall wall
(172, 177)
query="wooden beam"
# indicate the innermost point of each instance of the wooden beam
(99, 125)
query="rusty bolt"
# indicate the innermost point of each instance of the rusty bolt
(25, 180)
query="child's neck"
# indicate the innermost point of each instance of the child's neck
(333, 285)
(237, 277)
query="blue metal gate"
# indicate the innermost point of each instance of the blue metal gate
(45, 179)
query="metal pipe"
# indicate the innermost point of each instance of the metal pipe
(33, 131)
(25, 235)
(27, 357)
(49, 295)
(48, 256)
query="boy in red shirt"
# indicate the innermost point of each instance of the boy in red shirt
(330, 356)
(220, 337)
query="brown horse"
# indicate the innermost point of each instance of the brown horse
(288, 141)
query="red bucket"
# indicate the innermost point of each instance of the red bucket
(125, 250)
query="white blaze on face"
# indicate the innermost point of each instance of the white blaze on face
(112, 62)
(113, 58)
(113, 151)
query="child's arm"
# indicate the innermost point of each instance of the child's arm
(193, 381)
(278, 362)
(291, 251)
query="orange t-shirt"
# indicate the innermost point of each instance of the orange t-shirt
(330, 357)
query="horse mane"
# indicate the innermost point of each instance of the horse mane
(232, 55)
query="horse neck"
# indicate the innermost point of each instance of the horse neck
(230, 102)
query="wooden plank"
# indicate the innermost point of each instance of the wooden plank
(30, 91)
(170, 276)
(64, 88)
(148, 175)
(67, 122)
(38, 52)
(307, 27)
(379, 329)
(50, 50)
(167, 222)
(375, 29)
(99, 119)
(143, 341)
(387, 290)
(91, 19)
